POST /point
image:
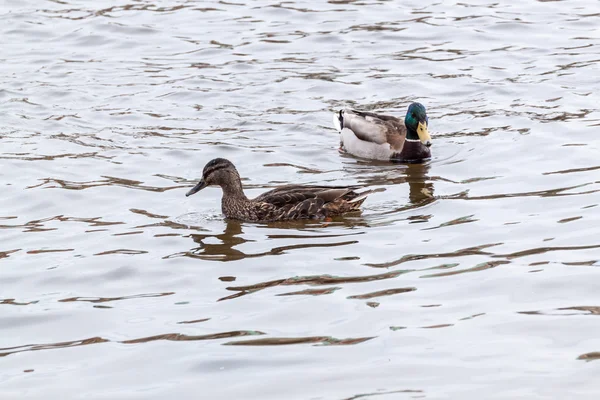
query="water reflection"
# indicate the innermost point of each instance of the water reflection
(313, 280)
(416, 175)
(420, 184)
(316, 340)
(421, 187)
(232, 237)
(223, 250)
(180, 337)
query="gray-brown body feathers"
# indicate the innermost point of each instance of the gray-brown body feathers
(294, 202)
(290, 202)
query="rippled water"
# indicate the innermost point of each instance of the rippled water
(472, 276)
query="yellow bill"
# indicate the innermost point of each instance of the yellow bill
(424, 134)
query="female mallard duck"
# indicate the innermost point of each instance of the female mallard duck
(383, 137)
(288, 202)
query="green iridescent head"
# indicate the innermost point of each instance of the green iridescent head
(416, 122)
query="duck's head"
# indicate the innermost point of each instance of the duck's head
(416, 122)
(217, 172)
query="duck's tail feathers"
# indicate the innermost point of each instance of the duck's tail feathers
(362, 196)
(338, 120)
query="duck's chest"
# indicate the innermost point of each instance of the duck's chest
(244, 210)
(413, 150)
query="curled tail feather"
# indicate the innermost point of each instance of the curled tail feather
(363, 195)
(338, 120)
(352, 204)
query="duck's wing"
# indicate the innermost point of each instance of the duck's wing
(309, 208)
(371, 127)
(300, 202)
(296, 194)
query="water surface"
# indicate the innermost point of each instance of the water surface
(471, 276)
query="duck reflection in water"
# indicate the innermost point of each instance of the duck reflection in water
(416, 175)
(305, 236)
(420, 185)
(224, 250)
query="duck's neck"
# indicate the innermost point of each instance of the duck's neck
(234, 190)
(234, 202)
(411, 134)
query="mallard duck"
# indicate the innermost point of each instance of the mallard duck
(382, 137)
(288, 202)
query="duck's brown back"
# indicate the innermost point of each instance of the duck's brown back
(295, 202)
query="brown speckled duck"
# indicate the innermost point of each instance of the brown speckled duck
(383, 137)
(290, 202)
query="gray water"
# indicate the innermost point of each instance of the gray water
(473, 276)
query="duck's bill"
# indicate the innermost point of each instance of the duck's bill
(201, 185)
(423, 133)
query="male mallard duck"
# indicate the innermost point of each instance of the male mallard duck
(284, 203)
(383, 137)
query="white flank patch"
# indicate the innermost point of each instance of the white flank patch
(336, 121)
(361, 148)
